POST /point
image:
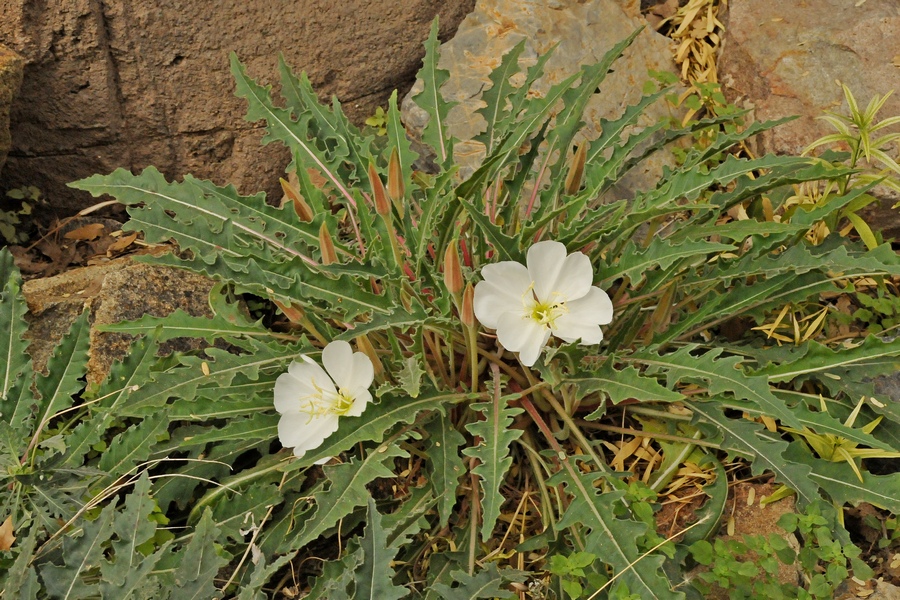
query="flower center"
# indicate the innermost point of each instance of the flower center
(545, 312)
(326, 403)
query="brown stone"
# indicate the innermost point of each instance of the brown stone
(129, 83)
(784, 58)
(583, 31)
(120, 290)
(10, 80)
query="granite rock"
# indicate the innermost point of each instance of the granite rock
(584, 31)
(784, 58)
(116, 291)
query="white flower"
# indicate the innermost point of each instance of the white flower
(310, 398)
(552, 295)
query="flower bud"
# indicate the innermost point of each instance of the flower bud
(576, 171)
(382, 206)
(467, 314)
(453, 278)
(326, 245)
(293, 312)
(395, 187)
(302, 209)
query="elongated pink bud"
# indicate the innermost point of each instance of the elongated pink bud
(382, 205)
(302, 209)
(453, 278)
(326, 245)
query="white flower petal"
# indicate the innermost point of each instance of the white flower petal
(525, 336)
(352, 372)
(584, 318)
(303, 433)
(545, 259)
(360, 401)
(502, 289)
(312, 375)
(558, 276)
(337, 360)
(294, 388)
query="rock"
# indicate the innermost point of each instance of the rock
(130, 83)
(117, 291)
(10, 80)
(585, 30)
(783, 58)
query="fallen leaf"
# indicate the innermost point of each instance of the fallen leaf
(6, 534)
(87, 232)
(121, 244)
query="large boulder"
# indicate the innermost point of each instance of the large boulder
(784, 58)
(120, 290)
(584, 31)
(10, 80)
(130, 83)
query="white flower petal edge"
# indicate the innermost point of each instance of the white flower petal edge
(553, 295)
(311, 399)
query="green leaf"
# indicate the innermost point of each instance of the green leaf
(495, 436)
(262, 572)
(346, 493)
(612, 539)
(633, 263)
(185, 380)
(21, 576)
(495, 98)
(379, 419)
(132, 526)
(294, 134)
(198, 564)
(261, 426)
(81, 554)
(841, 483)
(617, 385)
(65, 369)
(133, 445)
(15, 362)
(489, 582)
(722, 375)
(766, 451)
(373, 576)
(430, 100)
(124, 378)
(444, 463)
(337, 140)
(873, 357)
(410, 376)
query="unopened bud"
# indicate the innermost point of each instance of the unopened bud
(453, 278)
(396, 188)
(576, 171)
(382, 206)
(293, 312)
(365, 346)
(326, 245)
(302, 209)
(467, 314)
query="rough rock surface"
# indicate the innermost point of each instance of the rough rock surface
(783, 58)
(129, 83)
(10, 80)
(117, 291)
(584, 29)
